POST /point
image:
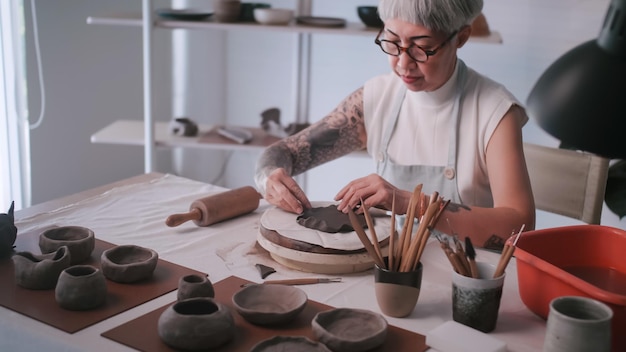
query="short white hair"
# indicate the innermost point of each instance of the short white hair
(437, 15)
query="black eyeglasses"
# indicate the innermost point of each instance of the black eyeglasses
(414, 51)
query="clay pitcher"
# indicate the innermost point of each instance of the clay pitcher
(40, 272)
(8, 232)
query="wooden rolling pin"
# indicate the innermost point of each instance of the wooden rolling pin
(218, 207)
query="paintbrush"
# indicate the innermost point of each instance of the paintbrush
(470, 252)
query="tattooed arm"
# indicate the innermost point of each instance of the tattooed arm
(338, 134)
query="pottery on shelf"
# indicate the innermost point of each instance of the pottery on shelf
(128, 263)
(40, 271)
(196, 324)
(192, 286)
(81, 287)
(226, 10)
(79, 240)
(350, 330)
(269, 304)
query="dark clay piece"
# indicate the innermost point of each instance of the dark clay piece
(328, 219)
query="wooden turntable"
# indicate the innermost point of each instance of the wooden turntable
(303, 255)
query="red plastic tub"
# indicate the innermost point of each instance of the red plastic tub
(583, 260)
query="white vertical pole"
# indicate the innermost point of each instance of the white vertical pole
(149, 155)
(301, 77)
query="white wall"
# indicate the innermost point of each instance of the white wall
(100, 68)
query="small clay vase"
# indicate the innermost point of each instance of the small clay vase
(128, 263)
(191, 286)
(79, 240)
(196, 324)
(40, 272)
(226, 10)
(397, 291)
(81, 287)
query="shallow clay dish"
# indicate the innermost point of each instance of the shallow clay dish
(289, 343)
(350, 330)
(128, 263)
(79, 240)
(269, 304)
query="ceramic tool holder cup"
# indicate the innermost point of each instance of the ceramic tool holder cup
(578, 324)
(476, 301)
(397, 291)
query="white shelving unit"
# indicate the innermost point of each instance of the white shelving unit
(153, 135)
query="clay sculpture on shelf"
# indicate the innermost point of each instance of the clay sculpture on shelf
(8, 232)
(40, 272)
(328, 219)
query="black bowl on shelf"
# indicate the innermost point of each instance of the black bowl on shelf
(369, 16)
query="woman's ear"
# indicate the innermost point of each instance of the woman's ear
(463, 36)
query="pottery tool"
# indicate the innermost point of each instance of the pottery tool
(452, 258)
(218, 207)
(392, 233)
(507, 253)
(471, 257)
(293, 282)
(407, 227)
(364, 239)
(370, 225)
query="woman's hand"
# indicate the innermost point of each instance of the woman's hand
(284, 192)
(375, 191)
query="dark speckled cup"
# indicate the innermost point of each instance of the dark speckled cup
(476, 302)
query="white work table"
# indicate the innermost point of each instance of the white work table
(133, 211)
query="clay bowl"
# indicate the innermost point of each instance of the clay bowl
(369, 16)
(351, 330)
(79, 240)
(128, 263)
(269, 304)
(289, 343)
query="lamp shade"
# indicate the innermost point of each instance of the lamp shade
(581, 98)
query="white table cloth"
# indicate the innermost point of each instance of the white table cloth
(135, 213)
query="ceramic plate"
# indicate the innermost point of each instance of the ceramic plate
(321, 21)
(183, 14)
(289, 343)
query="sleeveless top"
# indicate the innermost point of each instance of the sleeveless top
(439, 138)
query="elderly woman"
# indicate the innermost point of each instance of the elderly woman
(432, 120)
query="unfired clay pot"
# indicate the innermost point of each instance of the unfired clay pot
(191, 286)
(81, 287)
(196, 324)
(79, 240)
(40, 271)
(350, 330)
(128, 263)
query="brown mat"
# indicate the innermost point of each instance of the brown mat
(41, 304)
(260, 138)
(247, 334)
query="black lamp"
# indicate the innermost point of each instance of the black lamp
(581, 98)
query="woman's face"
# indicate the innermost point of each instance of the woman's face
(421, 76)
